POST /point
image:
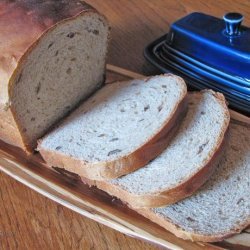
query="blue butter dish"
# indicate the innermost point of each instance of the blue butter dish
(209, 53)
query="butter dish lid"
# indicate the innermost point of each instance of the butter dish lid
(209, 53)
(221, 44)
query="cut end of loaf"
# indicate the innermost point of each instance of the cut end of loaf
(65, 66)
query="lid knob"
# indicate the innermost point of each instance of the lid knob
(233, 21)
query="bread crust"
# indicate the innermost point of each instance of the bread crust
(126, 164)
(29, 21)
(8, 129)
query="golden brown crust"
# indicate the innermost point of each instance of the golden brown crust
(23, 23)
(109, 170)
(8, 130)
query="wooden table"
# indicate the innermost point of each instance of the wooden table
(30, 221)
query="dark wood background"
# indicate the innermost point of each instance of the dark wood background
(30, 221)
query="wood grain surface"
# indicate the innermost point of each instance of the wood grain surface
(30, 221)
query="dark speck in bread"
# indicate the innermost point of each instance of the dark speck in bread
(71, 35)
(114, 152)
(146, 108)
(201, 148)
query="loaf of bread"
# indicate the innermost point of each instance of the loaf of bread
(187, 162)
(52, 56)
(119, 129)
(221, 207)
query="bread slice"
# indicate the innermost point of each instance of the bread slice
(119, 129)
(52, 56)
(187, 162)
(222, 207)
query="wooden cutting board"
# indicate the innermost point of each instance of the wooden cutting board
(96, 204)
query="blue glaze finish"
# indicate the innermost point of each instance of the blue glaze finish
(204, 38)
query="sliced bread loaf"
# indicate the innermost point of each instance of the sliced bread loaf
(187, 162)
(52, 56)
(222, 207)
(119, 129)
